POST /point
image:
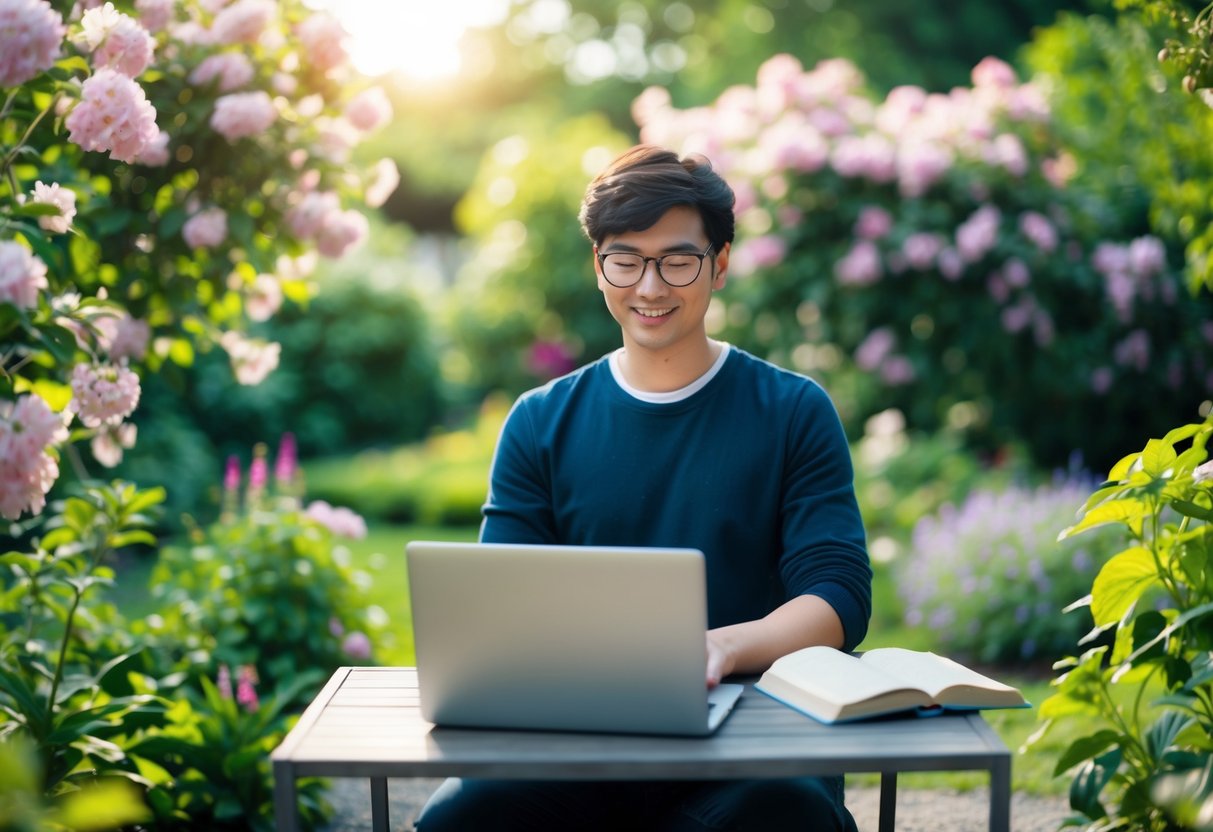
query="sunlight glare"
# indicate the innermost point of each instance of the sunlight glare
(418, 39)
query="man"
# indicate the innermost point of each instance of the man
(680, 440)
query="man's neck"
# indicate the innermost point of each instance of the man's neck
(666, 370)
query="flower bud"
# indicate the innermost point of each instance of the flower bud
(1163, 54)
(1190, 83)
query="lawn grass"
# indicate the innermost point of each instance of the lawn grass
(381, 555)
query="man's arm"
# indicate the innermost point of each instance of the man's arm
(752, 646)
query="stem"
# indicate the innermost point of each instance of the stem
(5, 165)
(67, 635)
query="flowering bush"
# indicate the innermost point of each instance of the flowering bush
(268, 587)
(168, 170)
(939, 246)
(990, 579)
(1143, 703)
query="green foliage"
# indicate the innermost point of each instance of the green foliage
(1141, 148)
(1187, 47)
(58, 687)
(531, 281)
(441, 481)
(1146, 700)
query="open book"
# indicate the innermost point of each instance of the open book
(832, 686)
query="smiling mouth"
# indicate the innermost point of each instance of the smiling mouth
(652, 313)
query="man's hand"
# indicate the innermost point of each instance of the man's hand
(750, 647)
(720, 659)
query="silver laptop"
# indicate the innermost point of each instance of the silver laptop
(571, 638)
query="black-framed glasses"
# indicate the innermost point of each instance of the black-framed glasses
(623, 269)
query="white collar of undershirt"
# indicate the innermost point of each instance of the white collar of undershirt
(673, 395)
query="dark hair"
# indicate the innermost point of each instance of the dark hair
(641, 184)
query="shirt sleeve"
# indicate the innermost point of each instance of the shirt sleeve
(518, 508)
(824, 549)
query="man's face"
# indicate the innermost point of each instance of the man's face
(654, 315)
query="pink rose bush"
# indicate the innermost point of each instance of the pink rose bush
(176, 100)
(942, 242)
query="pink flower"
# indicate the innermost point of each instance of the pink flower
(124, 338)
(31, 34)
(951, 266)
(978, 234)
(205, 229)
(357, 645)
(871, 157)
(110, 441)
(62, 198)
(874, 222)
(27, 472)
(385, 178)
(103, 394)
(231, 474)
(549, 359)
(760, 252)
(921, 249)
(246, 689)
(339, 520)
(342, 231)
(323, 41)
(223, 682)
(920, 164)
(155, 15)
(22, 275)
(1037, 228)
(369, 109)
(307, 217)
(992, 72)
(1016, 273)
(113, 115)
(232, 69)
(1133, 351)
(155, 154)
(117, 40)
(243, 114)
(336, 628)
(873, 350)
(860, 266)
(1147, 256)
(252, 358)
(258, 473)
(243, 21)
(897, 370)
(286, 464)
(1101, 380)
(264, 297)
(1017, 317)
(1110, 258)
(1008, 152)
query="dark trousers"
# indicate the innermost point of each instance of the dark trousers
(804, 804)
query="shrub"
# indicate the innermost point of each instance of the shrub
(1145, 702)
(989, 577)
(940, 247)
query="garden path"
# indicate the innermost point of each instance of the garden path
(918, 810)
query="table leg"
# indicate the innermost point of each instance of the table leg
(1000, 795)
(286, 800)
(888, 801)
(379, 805)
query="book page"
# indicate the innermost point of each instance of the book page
(834, 676)
(930, 672)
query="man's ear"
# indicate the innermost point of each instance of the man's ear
(722, 266)
(602, 284)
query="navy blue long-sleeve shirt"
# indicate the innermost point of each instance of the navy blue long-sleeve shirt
(753, 470)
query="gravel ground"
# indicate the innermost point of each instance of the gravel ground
(918, 810)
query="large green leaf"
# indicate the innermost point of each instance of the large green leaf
(1085, 748)
(1119, 584)
(1090, 781)
(1157, 458)
(1126, 510)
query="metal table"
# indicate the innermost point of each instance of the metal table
(366, 722)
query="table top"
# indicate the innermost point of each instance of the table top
(366, 722)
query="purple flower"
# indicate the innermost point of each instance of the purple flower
(357, 645)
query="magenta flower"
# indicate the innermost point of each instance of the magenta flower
(258, 473)
(231, 474)
(286, 463)
(113, 115)
(246, 689)
(31, 34)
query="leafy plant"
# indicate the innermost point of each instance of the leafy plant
(1146, 700)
